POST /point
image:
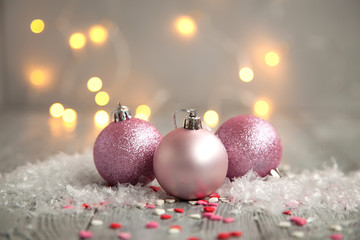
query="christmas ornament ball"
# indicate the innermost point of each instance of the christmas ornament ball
(124, 151)
(190, 163)
(251, 143)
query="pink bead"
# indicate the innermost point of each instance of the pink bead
(207, 214)
(229, 220)
(124, 235)
(336, 236)
(124, 151)
(152, 224)
(251, 143)
(216, 218)
(151, 206)
(85, 234)
(213, 204)
(298, 220)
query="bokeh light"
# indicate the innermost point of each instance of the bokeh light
(246, 74)
(211, 118)
(261, 108)
(94, 84)
(56, 110)
(77, 40)
(38, 77)
(37, 26)
(98, 34)
(272, 59)
(102, 98)
(101, 118)
(185, 25)
(143, 110)
(69, 115)
(142, 116)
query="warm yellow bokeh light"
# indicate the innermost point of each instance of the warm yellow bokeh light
(69, 115)
(94, 84)
(37, 26)
(211, 118)
(185, 25)
(102, 98)
(77, 40)
(261, 108)
(142, 116)
(101, 118)
(246, 74)
(38, 77)
(56, 110)
(272, 59)
(143, 109)
(98, 34)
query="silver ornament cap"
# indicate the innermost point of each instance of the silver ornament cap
(122, 113)
(191, 122)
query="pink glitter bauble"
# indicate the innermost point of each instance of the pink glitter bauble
(190, 164)
(251, 143)
(124, 151)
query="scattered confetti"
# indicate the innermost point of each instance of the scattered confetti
(288, 212)
(297, 234)
(86, 206)
(176, 226)
(160, 202)
(179, 210)
(156, 189)
(170, 210)
(216, 217)
(165, 216)
(85, 234)
(209, 209)
(68, 207)
(236, 234)
(140, 205)
(202, 202)
(115, 225)
(124, 235)
(336, 228)
(192, 202)
(207, 214)
(97, 222)
(336, 236)
(174, 230)
(170, 200)
(284, 224)
(229, 220)
(104, 202)
(159, 211)
(152, 224)
(224, 235)
(214, 195)
(213, 200)
(151, 206)
(195, 216)
(298, 220)
(193, 238)
(213, 204)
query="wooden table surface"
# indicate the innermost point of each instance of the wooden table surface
(309, 139)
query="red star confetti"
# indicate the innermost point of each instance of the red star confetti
(179, 210)
(209, 209)
(224, 235)
(156, 189)
(236, 234)
(288, 212)
(165, 216)
(115, 225)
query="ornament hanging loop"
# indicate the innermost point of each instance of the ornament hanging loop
(122, 113)
(191, 122)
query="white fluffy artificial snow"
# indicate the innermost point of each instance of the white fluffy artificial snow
(72, 180)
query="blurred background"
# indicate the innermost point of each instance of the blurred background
(64, 66)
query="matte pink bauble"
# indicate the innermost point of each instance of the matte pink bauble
(190, 163)
(251, 143)
(124, 151)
